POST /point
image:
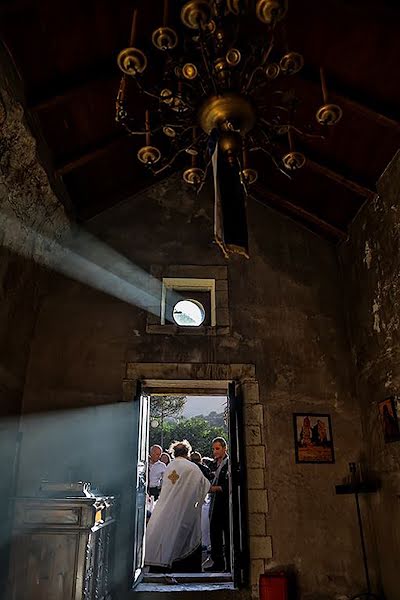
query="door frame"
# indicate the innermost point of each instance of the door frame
(203, 378)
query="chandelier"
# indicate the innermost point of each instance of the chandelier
(221, 81)
(212, 85)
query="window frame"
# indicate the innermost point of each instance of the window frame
(189, 284)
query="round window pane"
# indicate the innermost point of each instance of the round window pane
(188, 313)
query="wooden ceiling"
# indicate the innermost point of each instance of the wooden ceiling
(66, 56)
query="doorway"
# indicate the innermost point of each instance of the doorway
(201, 424)
(210, 425)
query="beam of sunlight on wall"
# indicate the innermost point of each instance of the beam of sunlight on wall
(94, 444)
(81, 256)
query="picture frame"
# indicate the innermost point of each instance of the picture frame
(389, 413)
(313, 440)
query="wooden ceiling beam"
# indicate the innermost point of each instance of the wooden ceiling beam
(337, 92)
(60, 96)
(56, 90)
(268, 198)
(93, 154)
(340, 179)
(107, 72)
(367, 112)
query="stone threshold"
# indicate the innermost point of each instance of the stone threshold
(184, 582)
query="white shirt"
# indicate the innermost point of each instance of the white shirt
(157, 471)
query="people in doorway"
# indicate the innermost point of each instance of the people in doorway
(196, 458)
(219, 509)
(156, 471)
(165, 458)
(173, 539)
(208, 462)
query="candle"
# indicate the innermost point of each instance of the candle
(133, 28)
(165, 17)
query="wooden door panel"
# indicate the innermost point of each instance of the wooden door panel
(48, 561)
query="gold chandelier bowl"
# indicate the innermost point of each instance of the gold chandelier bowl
(291, 63)
(167, 96)
(233, 6)
(149, 155)
(195, 13)
(164, 38)
(193, 176)
(229, 111)
(293, 161)
(233, 57)
(169, 131)
(250, 176)
(272, 70)
(270, 11)
(132, 61)
(189, 71)
(329, 114)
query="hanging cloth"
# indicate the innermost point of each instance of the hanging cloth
(230, 221)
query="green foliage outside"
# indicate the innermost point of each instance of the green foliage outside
(161, 408)
(197, 430)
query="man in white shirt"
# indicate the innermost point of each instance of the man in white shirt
(156, 471)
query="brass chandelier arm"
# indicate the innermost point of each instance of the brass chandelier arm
(260, 67)
(250, 80)
(268, 51)
(142, 90)
(300, 132)
(152, 131)
(310, 136)
(203, 50)
(175, 156)
(265, 134)
(155, 97)
(272, 157)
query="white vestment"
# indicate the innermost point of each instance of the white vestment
(174, 528)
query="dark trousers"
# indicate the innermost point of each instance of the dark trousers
(220, 539)
(154, 491)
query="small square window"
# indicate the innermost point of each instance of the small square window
(206, 290)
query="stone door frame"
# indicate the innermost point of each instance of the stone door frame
(205, 378)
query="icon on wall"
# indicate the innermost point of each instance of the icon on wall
(389, 411)
(313, 438)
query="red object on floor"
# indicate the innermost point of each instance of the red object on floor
(273, 587)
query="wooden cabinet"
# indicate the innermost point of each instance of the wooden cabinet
(62, 549)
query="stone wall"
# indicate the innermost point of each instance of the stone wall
(371, 266)
(286, 317)
(31, 217)
(19, 297)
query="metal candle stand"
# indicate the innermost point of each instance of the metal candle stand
(358, 487)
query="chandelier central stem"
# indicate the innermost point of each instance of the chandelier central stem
(229, 111)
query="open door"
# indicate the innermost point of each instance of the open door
(141, 432)
(240, 548)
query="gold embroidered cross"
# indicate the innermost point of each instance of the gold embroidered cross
(173, 477)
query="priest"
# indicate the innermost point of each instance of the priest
(173, 537)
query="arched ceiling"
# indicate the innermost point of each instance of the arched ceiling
(66, 53)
